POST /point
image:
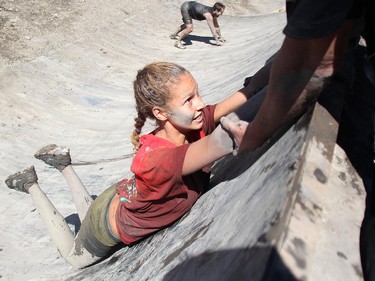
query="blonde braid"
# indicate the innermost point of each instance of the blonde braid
(134, 137)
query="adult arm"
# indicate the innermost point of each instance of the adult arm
(217, 29)
(289, 88)
(211, 23)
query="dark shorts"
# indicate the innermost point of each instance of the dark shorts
(186, 18)
(95, 234)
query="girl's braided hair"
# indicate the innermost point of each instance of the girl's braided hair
(151, 88)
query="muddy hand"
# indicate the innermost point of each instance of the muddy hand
(236, 127)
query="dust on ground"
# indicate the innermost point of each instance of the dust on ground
(31, 28)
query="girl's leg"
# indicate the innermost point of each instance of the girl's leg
(82, 199)
(59, 230)
(61, 235)
(59, 157)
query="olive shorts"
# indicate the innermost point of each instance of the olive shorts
(95, 234)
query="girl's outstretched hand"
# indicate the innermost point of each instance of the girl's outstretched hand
(236, 127)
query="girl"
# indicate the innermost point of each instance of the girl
(170, 168)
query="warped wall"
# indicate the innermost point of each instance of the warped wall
(80, 95)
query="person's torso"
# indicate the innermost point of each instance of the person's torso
(160, 194)
(197, 10)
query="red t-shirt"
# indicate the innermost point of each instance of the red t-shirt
(160, 195)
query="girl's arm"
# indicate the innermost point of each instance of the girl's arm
(233, 102)
(220, 143)
(211, 148)
(230, 104)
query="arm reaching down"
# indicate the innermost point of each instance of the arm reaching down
(213, 25)
(217, 29)
(294, 82)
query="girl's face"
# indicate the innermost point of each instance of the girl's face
(184, 109)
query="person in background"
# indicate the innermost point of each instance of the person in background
(193, 10)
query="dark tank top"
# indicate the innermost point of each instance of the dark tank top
(196, 10)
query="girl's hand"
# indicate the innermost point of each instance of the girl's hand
(236, 127)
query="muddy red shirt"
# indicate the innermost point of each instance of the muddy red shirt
(160, 195)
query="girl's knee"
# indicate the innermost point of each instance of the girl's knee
(79, 257)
